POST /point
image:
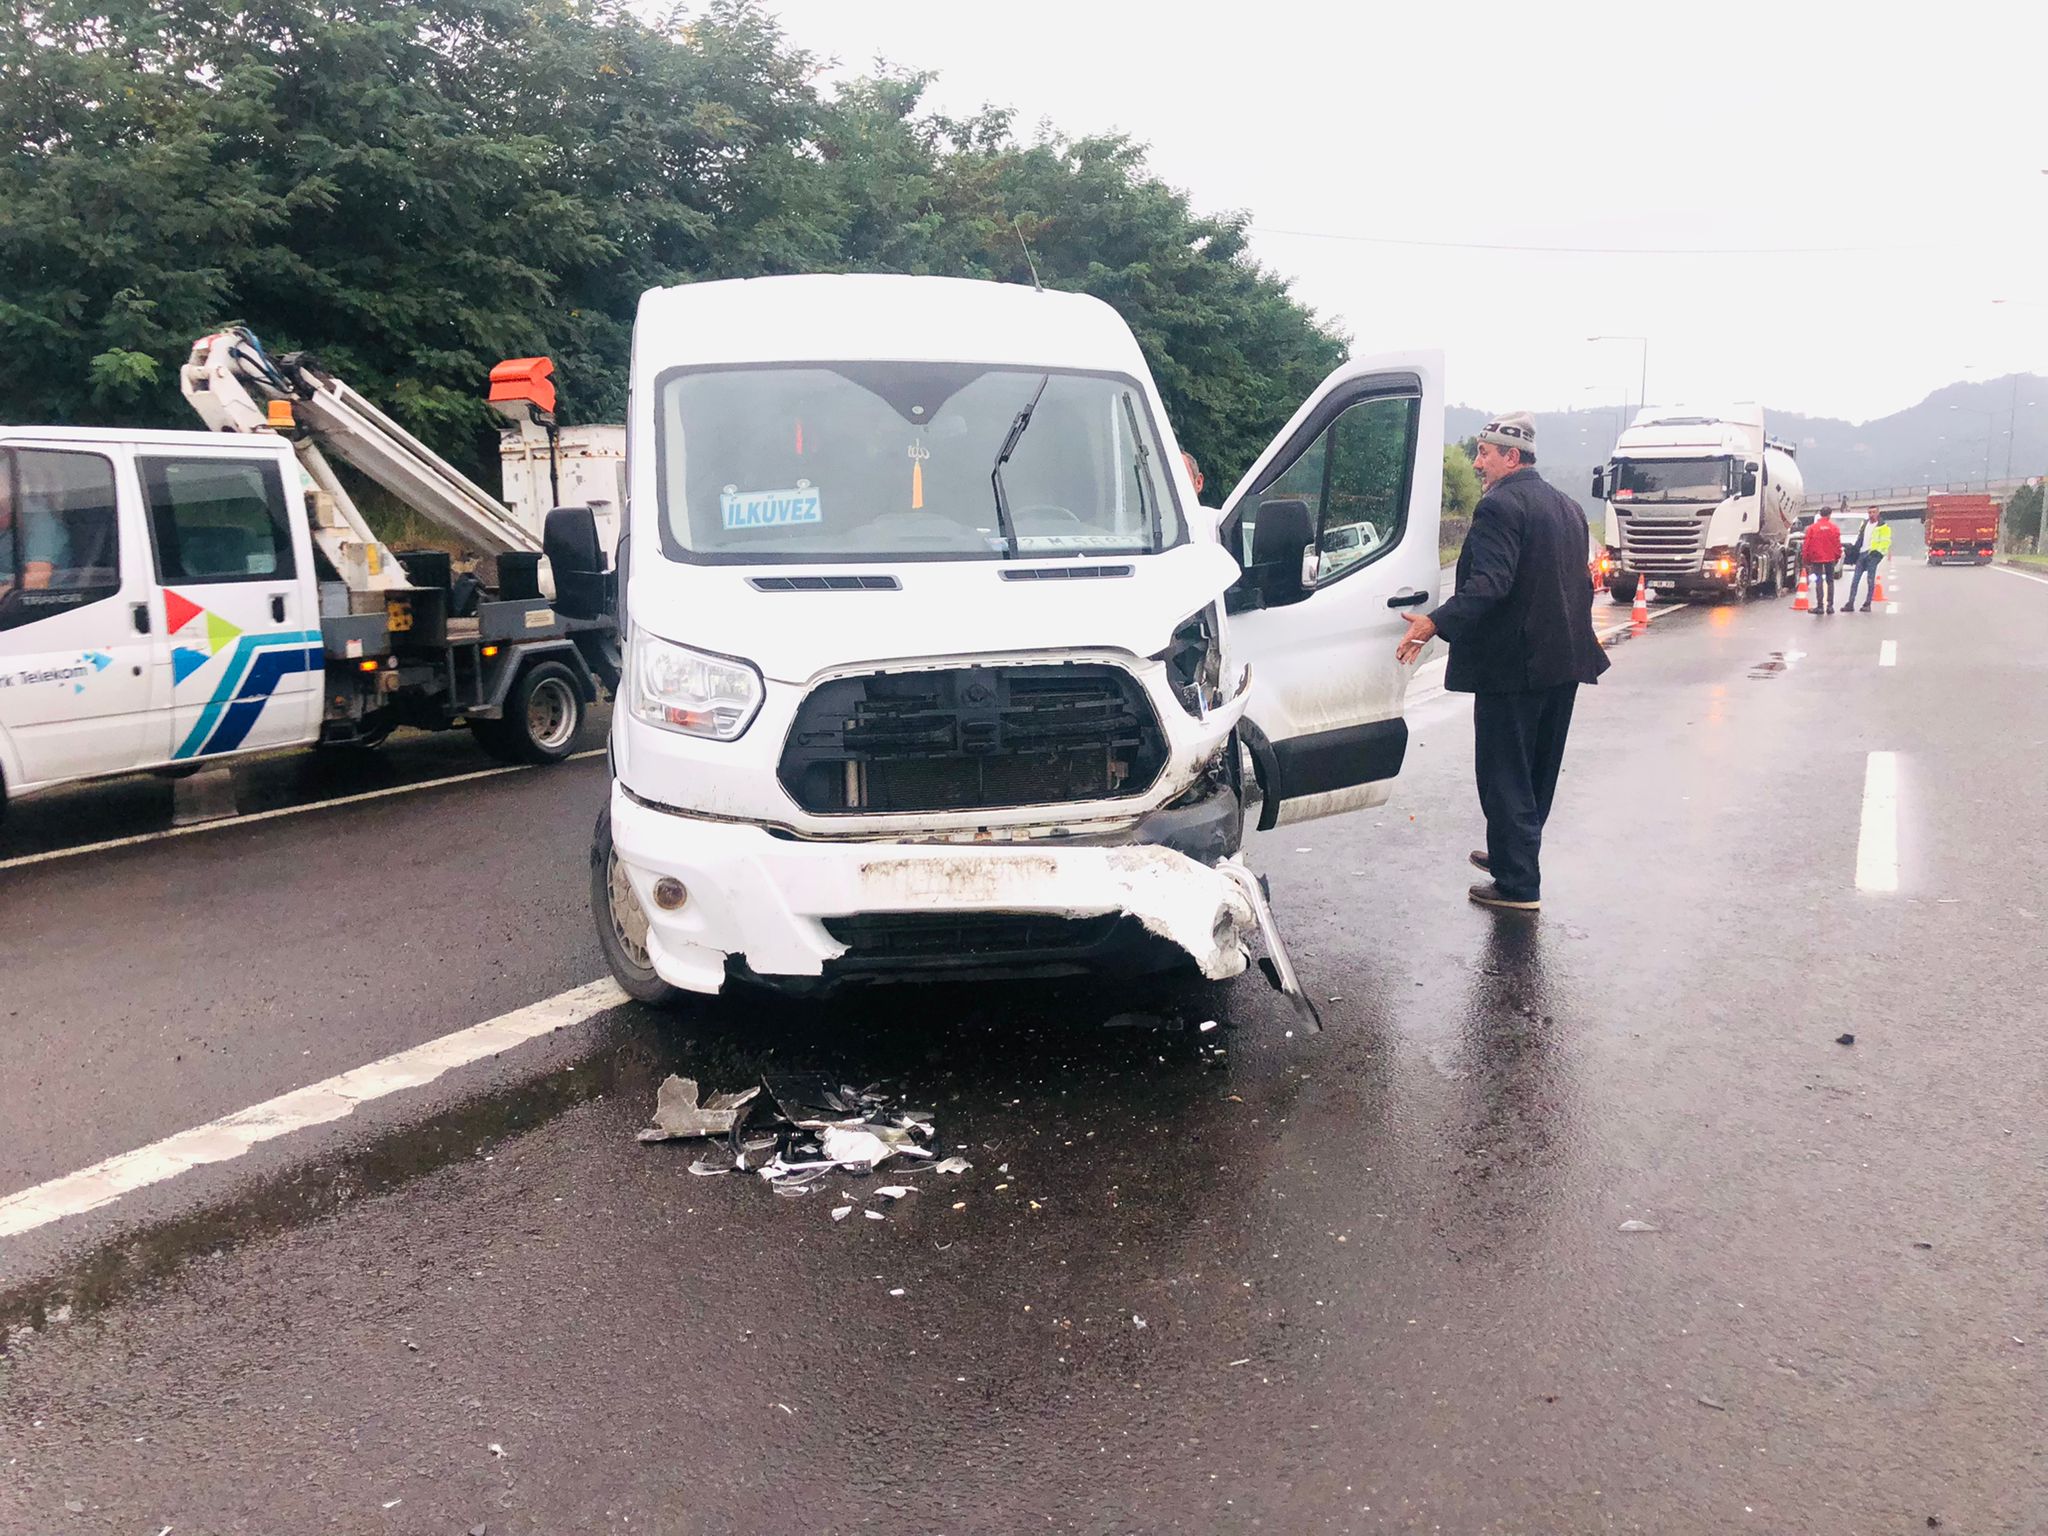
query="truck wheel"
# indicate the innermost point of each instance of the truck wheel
(543, 714)
(622, 923)
(1622, 588)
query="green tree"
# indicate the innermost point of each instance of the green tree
(1461, 483)
(413, 189)
(2022, 516)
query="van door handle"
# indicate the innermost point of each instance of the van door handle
(140, 611)
(1407, 599)
(277, 606)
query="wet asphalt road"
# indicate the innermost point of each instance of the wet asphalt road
(1367, 1280)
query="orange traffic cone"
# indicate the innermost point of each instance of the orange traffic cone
(1878, 596)
(1802, 603)
(1640, 614)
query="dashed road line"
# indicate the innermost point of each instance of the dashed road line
(1888, 654)
(1877, 841)
(21, 861)
(333, 1098)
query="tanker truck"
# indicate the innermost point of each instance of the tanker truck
(1700, 503)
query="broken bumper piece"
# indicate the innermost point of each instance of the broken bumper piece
(770, 903)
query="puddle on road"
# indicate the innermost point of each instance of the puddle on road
(1776, 664)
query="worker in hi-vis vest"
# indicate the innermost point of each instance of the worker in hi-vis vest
(1872, 546)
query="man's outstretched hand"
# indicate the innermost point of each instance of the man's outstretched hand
(1421, 630)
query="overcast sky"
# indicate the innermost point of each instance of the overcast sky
(1912, 153)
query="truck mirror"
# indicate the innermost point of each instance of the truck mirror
(1286, 530)
(1749, 482)
(1599, 485)
(569, 540)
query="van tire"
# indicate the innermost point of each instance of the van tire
(543, 717)
(625, 951)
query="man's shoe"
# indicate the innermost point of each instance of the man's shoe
(1478, 859)
(1488, 895)
(1866, 607)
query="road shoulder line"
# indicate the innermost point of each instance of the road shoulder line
(332, 1098)
(22, 861)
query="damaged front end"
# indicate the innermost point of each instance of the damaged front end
(699, 901)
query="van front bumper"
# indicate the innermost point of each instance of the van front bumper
(760, 902)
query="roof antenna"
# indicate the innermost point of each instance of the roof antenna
(1036, 285)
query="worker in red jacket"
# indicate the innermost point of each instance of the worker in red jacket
(1823, 547)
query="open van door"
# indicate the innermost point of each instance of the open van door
(1335, 528)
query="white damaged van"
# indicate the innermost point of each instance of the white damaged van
(934, 665)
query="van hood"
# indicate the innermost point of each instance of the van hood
(776, 618)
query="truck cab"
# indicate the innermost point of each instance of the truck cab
(934, 662)
(157, 602)
(1700, 503)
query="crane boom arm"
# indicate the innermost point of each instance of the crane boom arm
(230, 381)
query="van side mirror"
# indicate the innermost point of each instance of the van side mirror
(1286, 530)
(569, 540)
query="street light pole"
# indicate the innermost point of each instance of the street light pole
(1643, 387)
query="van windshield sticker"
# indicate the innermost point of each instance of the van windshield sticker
(771, 509)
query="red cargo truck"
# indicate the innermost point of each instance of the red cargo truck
(1961, 530)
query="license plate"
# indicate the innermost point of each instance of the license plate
(1663, 586)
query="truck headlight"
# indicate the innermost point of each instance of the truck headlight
(680, 689)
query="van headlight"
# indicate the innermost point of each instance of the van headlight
(699, 694)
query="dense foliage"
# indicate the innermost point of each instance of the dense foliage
(414, 189)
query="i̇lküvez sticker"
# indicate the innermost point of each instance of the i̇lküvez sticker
(771, 509)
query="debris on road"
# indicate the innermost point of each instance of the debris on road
(816, 1129)
(894, 1191)
(841, 1212)
(1718, 1407)
(679, 1117)
(1633, 1225)
(1845, 1039)
(952, 1165)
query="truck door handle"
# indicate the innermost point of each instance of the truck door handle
(1407, 599)
(140, 611)
(277, 606)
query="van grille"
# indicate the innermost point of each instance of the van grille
(1663, 545)
(972, 738)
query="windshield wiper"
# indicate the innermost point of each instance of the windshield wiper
(1005, 524)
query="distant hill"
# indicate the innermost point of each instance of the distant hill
(1923, 443)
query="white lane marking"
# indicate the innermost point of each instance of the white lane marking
(22, 860)
(2023, 575)
(331, 1099)
(1877, 843)
(1891, 607)
(1888, 654)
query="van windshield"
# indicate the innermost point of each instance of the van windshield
(1658, 480)
(888, 461)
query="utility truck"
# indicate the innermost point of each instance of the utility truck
(170, 599)
(1700, 503)
(934, 662)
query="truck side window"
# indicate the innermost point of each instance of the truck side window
(59, 533)
(217, 519)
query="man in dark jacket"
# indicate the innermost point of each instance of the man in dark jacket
(1520, 627)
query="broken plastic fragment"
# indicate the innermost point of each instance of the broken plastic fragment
(679, 1116)
(894, 1191)
(952, 1165)
(841, 1212)
(717, 1162)
(873, 1215)
(1637, 1226)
